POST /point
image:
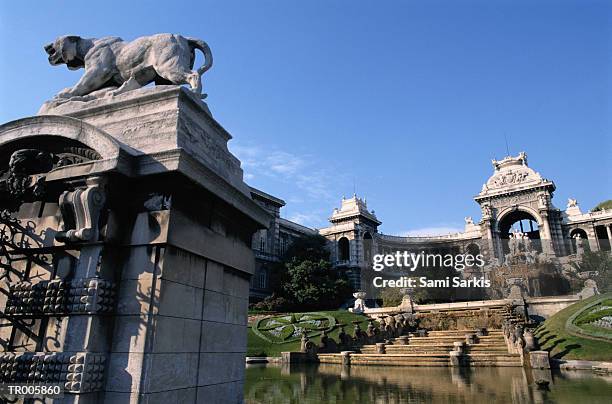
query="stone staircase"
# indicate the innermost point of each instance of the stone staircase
(434, 350)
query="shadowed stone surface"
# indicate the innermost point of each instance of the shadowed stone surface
(172, 231)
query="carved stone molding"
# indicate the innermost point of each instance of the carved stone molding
(57, 297)
(80, 372)
(81, 211)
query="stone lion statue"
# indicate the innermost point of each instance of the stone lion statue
(113, 62)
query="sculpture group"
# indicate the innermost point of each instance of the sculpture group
(521, 249)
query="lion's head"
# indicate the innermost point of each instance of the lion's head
(66, 49)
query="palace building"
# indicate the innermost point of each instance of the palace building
(516, 208)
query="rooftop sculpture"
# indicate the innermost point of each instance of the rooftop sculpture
(114, 66)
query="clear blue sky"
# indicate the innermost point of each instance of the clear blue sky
(408, 100)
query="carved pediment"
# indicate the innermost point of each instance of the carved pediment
(512, 176)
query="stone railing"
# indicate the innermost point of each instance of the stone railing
(424, 239)
(520, 340)
(423, 308)
(388, 328)
(590, 215)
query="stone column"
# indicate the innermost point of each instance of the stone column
(493, 253)
(592, 237)
(546, 236)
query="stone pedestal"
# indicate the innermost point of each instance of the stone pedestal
(403, 339)
(455, 358)
(539, 360)
(145, 207)
(470, 339)
(346, 357)
(459, 346)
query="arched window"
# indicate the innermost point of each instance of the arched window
(367, 247)
(283, 243)
(584, 239)
(344, 249)
(472, 249)
(260, 280)
(521, 223)
(262, 241)
(574, 233)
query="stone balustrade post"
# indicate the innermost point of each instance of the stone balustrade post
(404, 340)
(459, 346)
(455, 358)
(481, 332)
(346, 357)
(539, 359)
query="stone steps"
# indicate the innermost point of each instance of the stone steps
(433, 350)
(453, 339)
(408, 348)
(442, 347)
(488, 347)
(401, 359)
(330, 358)
(462, 331)
(493, 360)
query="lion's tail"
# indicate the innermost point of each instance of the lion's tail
(203, 46)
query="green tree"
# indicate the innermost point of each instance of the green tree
(306, 279)
(391, 297)
(312, 248)
(315, 285)
(603, 205)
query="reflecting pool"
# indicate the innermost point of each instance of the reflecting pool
(370, 384)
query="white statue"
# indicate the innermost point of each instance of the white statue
(359, 306)
(469, 220)
(572, 203)
(527, 243)
(513, 244)
(579, 245)
(112, 62)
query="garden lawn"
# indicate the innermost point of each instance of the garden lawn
(257, 346)
(554, 338)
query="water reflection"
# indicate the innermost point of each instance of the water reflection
(370, 384)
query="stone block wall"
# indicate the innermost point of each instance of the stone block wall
(129, 262)
(180, 327)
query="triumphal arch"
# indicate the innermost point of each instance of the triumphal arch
(516, 193)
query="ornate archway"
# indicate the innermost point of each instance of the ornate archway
(367, 247)
(519, 222)
(62, 129)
